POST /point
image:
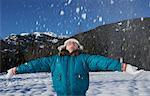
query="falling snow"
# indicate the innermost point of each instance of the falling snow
(67, 32)
(120, 12)
(79, 23)
(36, 22)
(117, 29)
(44, 25)
(77, 10)
(81, 7)
(120, 23)
(131, 0)
(62, 12)
(41, 46)
(69, 1)
(124, 39)
(111, 2)
(59, 24)
(143, 28)
(52, 5)
(142, 18)
(100, 19)
(94, 20)
(104, 23)
(83, 16)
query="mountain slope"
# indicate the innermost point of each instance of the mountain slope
(100, 84)
(129, 39)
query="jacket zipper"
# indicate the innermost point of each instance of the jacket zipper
(68, 77)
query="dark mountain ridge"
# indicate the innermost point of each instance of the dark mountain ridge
(128, 39)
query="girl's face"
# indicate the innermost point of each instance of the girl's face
(71, 46)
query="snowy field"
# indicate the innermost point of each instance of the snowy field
(101, 84)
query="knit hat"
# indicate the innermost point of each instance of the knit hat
(70, 40)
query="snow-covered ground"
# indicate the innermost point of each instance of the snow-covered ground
(101, 84)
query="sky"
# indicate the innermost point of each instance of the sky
(66, 17)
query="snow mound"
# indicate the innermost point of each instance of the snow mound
(101, 84)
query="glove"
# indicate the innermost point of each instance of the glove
(129, 68)
(132, 69)
(10, 73)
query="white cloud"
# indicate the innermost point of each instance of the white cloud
(62, 12)
(83, 16)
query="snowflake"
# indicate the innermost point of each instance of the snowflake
(83, 16)
(102, 2)
(134, 56)
(79, 23)
(75, 18)
(120, 23)
(135, 14)
(142, 18)
(94, 20)
(52, 5)
(77, 10)
(104, 23)
(69, 1)
(16, 23)
(117, 29)
(100, 19)
(67, 31)
(111, 2)
(124, 39)
(47, 29)
(44, 25)
(143, 27)
(36, 22)
(81, 7)
(131, 0)
(62, 12)
(120, 12)
(36, 28)
(59, 24)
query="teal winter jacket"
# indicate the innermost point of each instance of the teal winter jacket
(70, 74)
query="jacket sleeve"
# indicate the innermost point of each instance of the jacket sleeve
(97, 63)
(38, 65)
